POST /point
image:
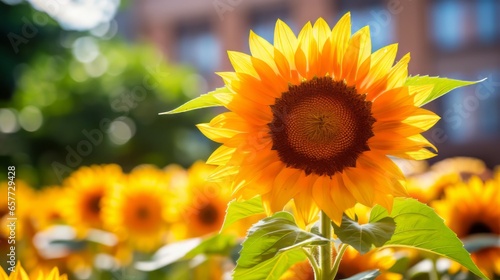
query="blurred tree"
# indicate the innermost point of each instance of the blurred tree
(83, 99)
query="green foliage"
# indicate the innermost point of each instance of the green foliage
(218, 244)
(419, 227)
(271, 269)
(237, 210)
(441, 86)
(272, 245)
(364, 237)
(127, 83)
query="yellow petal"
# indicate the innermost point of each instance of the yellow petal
(284, 188)
(262, 49)
(357, 52)
(381, 62)
(420, 93)
(221, 155)
(399, 73)
(307, 211)
(216, 134)
(339, 41)
(321, 32)
(285, 41)
(321, 193)
(359, 185)
(242, 63)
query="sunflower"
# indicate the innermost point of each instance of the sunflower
(466, 167)
(472, 208)
(140, 210)
(20, 274)
(205, 206)
(431, 185)
(314, 118)
(352, 263)
(48, 214)
(85, 189)
(19, 208)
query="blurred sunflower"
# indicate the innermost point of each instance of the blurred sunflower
(314, 118)
(431, 185)
(85, 189)
(20, 274)
(48, 214)
(352, 263)
(21, 210)
(472, 208)
(466, 167)
(140, 210)
(205, 206)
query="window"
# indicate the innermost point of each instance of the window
(472, 113)
(456, 24)
(198, 46)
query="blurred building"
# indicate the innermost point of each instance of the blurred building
(451, 38)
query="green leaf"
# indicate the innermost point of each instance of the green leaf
(364, 237)
(187, 249)
(271, 244)
(237, 210)
(367, 275)
(212, 99)
(441, 86)
(419, 227)
(272, 268)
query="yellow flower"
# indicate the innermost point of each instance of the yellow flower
(314, 118)
(139, 211)
(352, 263)
(431, 185)
(85, 189)
(15, 204)
(465, 166)
(20, 274)
(472, 208)
(205, 207)
(48, 214)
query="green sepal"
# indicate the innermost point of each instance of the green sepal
(441, 86)
(215, 98)
(237, 210)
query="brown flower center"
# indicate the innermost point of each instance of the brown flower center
(321, 126)
(208, 214)
(479, 227)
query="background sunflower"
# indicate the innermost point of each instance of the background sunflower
(470, 209)
(84, 191)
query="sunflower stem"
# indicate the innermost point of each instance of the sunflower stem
(325, 254)
(312, 261)
(338, 258)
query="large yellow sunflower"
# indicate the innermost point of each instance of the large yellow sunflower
(314, 118)
(140, 210)
(472, 208)
(352, 263)
(85, 189)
